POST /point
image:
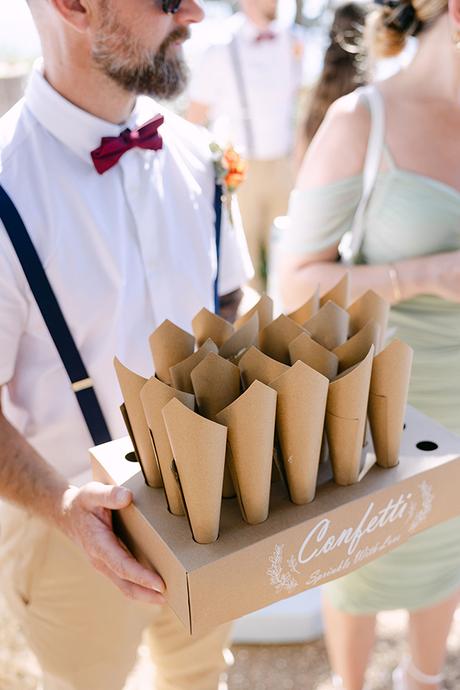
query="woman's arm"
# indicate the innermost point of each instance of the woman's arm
(336, 153)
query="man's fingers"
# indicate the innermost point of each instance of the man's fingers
(96, 495)
(130, 589)
(123, 564)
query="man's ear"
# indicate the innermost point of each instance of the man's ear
(454, 12)
(74, 12)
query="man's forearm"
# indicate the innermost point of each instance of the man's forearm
(26, 478)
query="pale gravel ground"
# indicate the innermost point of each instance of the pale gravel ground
(290, 667)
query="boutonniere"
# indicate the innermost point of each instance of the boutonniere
(230, 170)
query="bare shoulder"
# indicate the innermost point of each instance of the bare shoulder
(339, 147)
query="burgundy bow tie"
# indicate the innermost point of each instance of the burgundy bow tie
(265, 36)
(112, 148)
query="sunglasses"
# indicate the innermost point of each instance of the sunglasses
(171, 6)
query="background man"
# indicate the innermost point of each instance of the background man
(124, 246)
(247, 89)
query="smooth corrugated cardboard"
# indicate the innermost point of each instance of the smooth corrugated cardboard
(298, 547)
(329, 327)
(357, 347)
(275, 338)
(206, 325)
(245, 337)
(308, 351)
(181, 372)
(255, 366)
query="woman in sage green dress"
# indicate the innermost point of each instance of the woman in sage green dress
(410, 254)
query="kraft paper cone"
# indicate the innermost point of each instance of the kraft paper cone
(255, 366)
(313, 354)
(275, 338)
(329, 327)
(387, 400)
(131, 385)
(369, 306)
(242, 339)
(180, 373)
(264, 309)
(198, 447)
(339, 294)
(208, 325)
(251, 428)
(169, 345)
(154, 396)
(357, 347)
(301, 408)
(346, 420)
(216, 383)
(307, 310)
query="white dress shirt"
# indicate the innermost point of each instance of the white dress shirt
(123, 251)
(271, 71)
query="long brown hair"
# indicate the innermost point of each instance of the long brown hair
(344, 66)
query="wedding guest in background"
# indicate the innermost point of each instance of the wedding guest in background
(344, 70)
(246, 89)
(409, 254)
(125, 231)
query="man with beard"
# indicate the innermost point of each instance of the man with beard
(247, 88)
(120, 210)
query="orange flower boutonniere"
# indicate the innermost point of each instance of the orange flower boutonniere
(231, 171)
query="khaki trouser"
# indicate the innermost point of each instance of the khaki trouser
(263, 196)
(84, 632)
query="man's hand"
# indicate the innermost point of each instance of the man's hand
(87, 519)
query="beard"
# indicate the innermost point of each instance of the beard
(119, 55)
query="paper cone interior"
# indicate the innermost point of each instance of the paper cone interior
(313, 354)
(255, 366)
(307, 310)
(154, 396)
(275, 338)
(357, 347)
(387, 400)
(131, 385)
(169, 345)
(346, 415)
(369, 306)
(208, 325)
(301, 408)
(339, 294)
(264, 309)
(242, 339)
(198, 447)
(329, 327)
(216, 383)
(180, 373)
(251, 426)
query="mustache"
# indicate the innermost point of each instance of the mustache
(182, 33)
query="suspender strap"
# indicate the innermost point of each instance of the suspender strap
(243, 97)
(218, 193)
(54, 319)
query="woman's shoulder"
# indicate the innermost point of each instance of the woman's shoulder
(339, 147)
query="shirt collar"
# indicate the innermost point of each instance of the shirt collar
(250, 31)
(75, 128)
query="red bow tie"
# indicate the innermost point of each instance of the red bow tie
(265, 36)
(112, 148)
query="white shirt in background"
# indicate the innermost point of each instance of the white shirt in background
(123, 251)
(271, 72)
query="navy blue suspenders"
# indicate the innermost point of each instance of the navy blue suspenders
(54, 319)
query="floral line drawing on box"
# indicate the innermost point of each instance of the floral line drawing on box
(279, 579)
(426, 491)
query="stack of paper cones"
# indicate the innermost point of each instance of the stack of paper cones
(199, 447)
(387, 400)
(250, 421)
(346, 416)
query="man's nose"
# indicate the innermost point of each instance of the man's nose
(190, 12)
